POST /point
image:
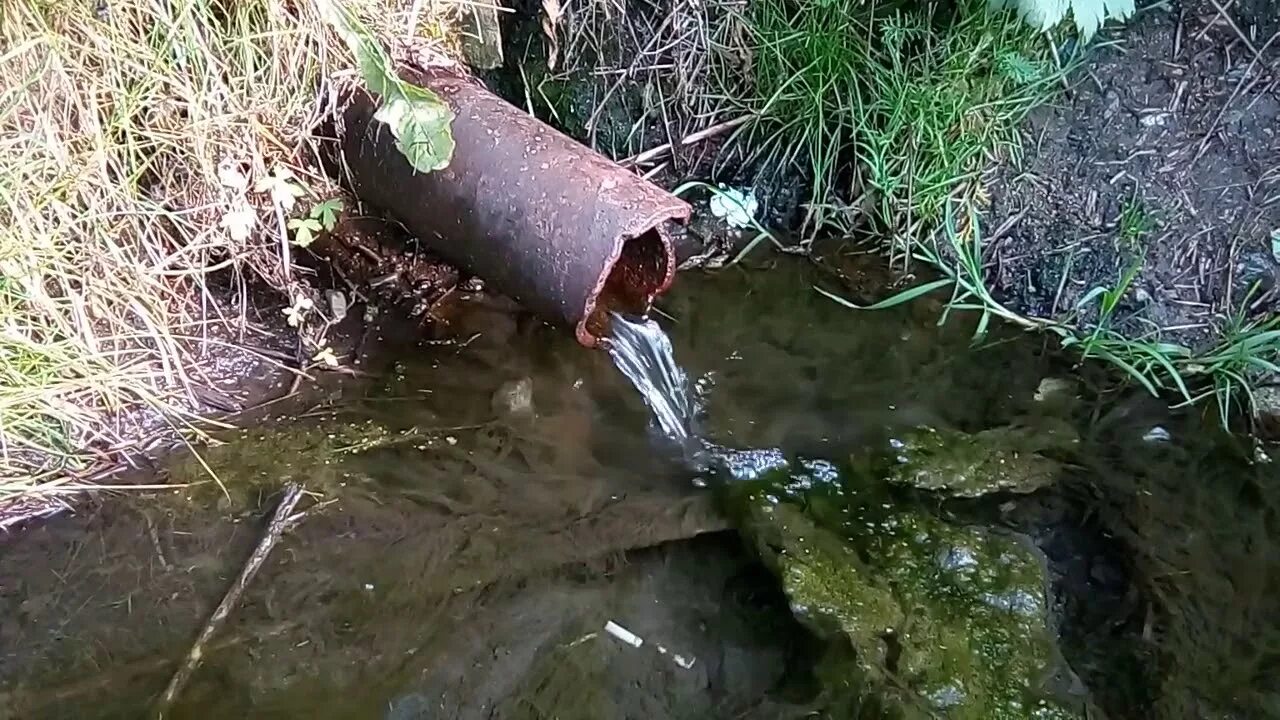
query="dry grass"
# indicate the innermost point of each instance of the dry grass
(132, 133)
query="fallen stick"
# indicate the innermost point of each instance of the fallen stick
(282, 520)
(26, 702)
(709, 132)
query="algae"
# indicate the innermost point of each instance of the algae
(1002, 459)
(311, 454)
(941, 618)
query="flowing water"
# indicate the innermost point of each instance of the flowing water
(643, 353)
(494, 510)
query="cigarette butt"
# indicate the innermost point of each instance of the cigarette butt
(623, 634)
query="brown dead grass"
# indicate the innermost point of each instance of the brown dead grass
(134, 140)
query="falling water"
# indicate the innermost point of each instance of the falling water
(642, 351)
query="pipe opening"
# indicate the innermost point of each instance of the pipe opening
(642, 270)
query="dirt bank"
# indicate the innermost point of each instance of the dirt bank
(1165, 155)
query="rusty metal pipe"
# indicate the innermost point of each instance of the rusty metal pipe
(553, 224)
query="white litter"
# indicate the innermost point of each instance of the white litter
(1157, 434)
(679, 659)
(623, 634)
(738, 208)
(636, 641)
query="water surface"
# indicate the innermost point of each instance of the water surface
(509, 501)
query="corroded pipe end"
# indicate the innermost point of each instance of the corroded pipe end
(640, 268)
(542, 218)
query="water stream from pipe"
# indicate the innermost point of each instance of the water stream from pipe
(642, 352)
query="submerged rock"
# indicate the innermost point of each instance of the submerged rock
(1004, 459)
(309, 454)
(942, 620)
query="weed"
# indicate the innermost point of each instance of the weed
(322, 216)
(1133, 225)
(1250, 348)
(920, 95)
(133, 140)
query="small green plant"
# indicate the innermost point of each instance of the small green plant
(915, 97)
(1134, 224)
(1250, 348)
(419, 120)
(1089, 15)
(323, 216)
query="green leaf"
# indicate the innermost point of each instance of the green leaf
(419, 120)
(327, 212)
(898, 299)
(420, 123)
(1090, 297)
(304, 230)
(1275, 244)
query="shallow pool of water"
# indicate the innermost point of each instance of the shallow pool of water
(488, 500)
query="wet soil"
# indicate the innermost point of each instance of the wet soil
(1164, 153)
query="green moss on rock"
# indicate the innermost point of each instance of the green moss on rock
(943, 620)
(310, 454)
(1004, 459)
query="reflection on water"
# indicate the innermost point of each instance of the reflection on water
(498, 501)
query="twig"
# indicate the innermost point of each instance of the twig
(1257, 56)
(280, 521)
(709, 132)
(1213, 127)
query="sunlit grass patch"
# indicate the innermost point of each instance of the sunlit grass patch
(134, 137)
(905, 103)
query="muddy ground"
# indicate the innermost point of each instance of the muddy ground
(1165, 152)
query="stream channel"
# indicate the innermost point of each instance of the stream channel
(897, 523)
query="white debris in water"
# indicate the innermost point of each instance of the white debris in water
(1157, 434)
(685, 662)
(737, 207)
(623, 634)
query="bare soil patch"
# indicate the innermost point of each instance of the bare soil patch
(1164, 153)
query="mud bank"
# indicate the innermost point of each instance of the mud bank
(1164, 156)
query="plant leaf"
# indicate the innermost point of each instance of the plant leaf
(905, 296)
(419, 120)
(420, 123)
(304, 230)
(327, 212)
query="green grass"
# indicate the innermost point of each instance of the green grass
(120, 124)
(1133, 226)
(907, 104)
(920, 99)
(1226, 373)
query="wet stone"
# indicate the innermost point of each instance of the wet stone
(1004, 459)
(514, 399)
(941, 618)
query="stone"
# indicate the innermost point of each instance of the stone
(944, 620)
(1004, 459)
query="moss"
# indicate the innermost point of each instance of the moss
(311, 454)
(940, 618)
(1004, 459)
